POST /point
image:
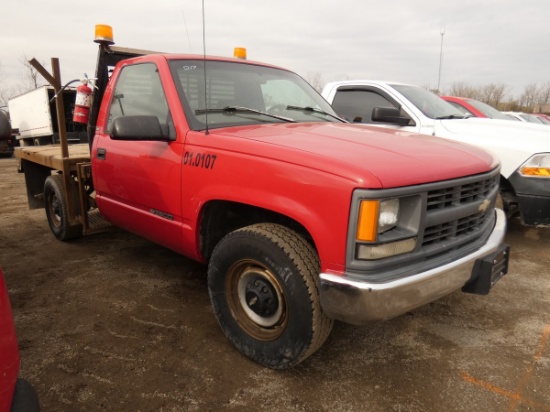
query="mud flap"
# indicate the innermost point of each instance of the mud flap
(488, 271)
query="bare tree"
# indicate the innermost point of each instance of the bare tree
(529, 96)
(543, 96)
(461, 89)
(5, 90)
(496, 95)
(493, 94)
(29, 78)
(5, 95)
(316, 80)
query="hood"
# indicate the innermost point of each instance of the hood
(513, 142)
(370, 156)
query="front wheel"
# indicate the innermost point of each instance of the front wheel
(55, 203)
(262, 281)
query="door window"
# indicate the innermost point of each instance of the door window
(356, 105)
(139, 91)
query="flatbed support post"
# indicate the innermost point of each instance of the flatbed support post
(55, 81)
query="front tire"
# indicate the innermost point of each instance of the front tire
(55, 203)
(262, 281)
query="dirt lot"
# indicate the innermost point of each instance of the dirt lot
(111, 322)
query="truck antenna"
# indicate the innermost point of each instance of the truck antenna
(187, 32)
(204, 69)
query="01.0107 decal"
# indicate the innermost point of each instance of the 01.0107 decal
(199, 160)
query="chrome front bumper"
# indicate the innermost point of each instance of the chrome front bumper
(360, 303)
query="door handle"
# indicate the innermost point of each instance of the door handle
(101, 153)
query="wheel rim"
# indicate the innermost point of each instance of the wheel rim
(256, 300)
(54, 210)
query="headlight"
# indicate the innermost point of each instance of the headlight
(386, 227)
(536, 166)
(389, 214)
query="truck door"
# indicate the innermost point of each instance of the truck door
(137, 182)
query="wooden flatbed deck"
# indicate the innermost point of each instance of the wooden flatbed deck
(50, 155)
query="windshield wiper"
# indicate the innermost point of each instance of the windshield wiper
(240, 109)
(450, 116)
(315, 110)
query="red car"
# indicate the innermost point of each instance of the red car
(544, 118)
(16, 394)
(471, 107)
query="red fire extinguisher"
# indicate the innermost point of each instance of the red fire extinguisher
(82, 103)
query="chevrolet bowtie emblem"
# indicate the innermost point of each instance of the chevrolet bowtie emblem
(484, 205)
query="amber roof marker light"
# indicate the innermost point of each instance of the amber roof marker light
(104, 35)
(239, 53)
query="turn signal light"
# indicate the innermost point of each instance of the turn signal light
(535, 171)
(368, 220)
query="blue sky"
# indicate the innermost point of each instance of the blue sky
(484, 42)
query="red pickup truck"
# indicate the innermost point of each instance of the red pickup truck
(301, 217)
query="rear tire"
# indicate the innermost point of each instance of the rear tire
(262, 281)
(55, 203)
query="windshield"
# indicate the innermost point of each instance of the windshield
(237, 94)
(530, 118)
(429, 103)
(487, 110)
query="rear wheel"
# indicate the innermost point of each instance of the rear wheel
(40, 141)
(262, 281)
(55, 203)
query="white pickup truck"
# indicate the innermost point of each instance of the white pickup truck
(524, 149)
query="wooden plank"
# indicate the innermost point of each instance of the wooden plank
(50, 155)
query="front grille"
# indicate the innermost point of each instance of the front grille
(454, 229)
(462, 194)
(456, 217)
(453, 199)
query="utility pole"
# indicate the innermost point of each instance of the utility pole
(442, 32)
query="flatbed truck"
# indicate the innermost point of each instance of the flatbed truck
(301, 217)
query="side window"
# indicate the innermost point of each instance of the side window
(356, 105)
(139, 91)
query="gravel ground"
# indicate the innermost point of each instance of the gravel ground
(112, 322)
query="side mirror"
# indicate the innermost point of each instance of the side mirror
(389, 115)
(5, 126)
(138, 128)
